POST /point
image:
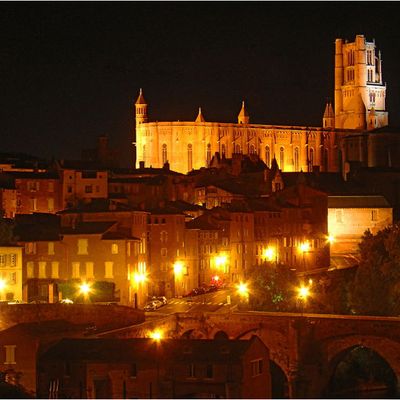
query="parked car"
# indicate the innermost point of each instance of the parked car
(163, 299)
(66, 301)
(150, 306)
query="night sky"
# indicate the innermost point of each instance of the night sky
(70, 72)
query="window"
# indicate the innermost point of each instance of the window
(281, 158)
(2, 259)
(82, 246)
(133, 371)
(339, 216)
(374, 215)
(33, 204)
(114, 248)
(42, 269)
(109, 269)
(30, 273)
(164, 153)
(208, 153)
(50, 248)
(144, 153)
(252, 149)
(50, 204)
(163, 236)
(76, 270)
(30, 248)
(223, 149)
(55, 269)
(190, 157)
(50, 187)
(192, 371)
(296, 159)
(163, 252)
(10, 354)
(209, 371)
(238, 149)
(88, 189)
(311, 159)
(33, 186)
(13, 278)
(267, 156)
(89, 270)
(69, 189)
(256, 367)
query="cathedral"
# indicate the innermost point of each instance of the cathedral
(359, 108)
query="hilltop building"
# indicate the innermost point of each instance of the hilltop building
(360, 95)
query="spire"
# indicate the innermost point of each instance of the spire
(140, 99)
(328, 120)
(243, 117)
(200, 117)
(329, 110)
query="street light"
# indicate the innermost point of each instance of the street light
(304, 247)
(331, 239)
(157, 335)
(3, 284)
(178, 272)
(303, 293)
(243, 290)
(85, 289)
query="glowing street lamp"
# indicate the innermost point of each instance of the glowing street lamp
(156, 335)
(243, 290)
(269, 253)
(3, 284)
(178, 268)
(139, 277)
(304, 247)
(330, 239)
(303, 292)
(220, 261)
(85, 289)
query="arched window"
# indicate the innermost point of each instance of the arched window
(238, 150)
(252, 149)
(144, 153)
(311, 159)
(296, 159)
(208, 154)
(281, 158)
(223, 150)
(326, 160)
(190, 157)
(267, 156)
(164, 154)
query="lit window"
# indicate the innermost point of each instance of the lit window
(76, 270)
(88, 189)
(2, 259)
(10, 354)
(82, 246)
(281, 158)
(339, 216)
(192, 371)
(12, 278)
(190, 157)
(50, 187)
(30, 273)
(256, 367)
(55, 269)
(164, 154)
(374, 215)
(50, 248)
(30, 248)
(109, 269)
(163, 252)
(42, 269)
(114, 248)
(50, 204)
(89, 270)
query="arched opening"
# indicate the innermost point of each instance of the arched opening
(190, 157)
(187, 334)
(164, 154)
(281, 158)
(268, 156)
(360, 372)
(193, 334)
(279, 383)
(296, 159)
(221, 335)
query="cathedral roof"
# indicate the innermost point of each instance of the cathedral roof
(140, 99)
(200, 117)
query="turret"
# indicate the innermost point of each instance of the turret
(200, 117)
(328, 121)
(243, 117)
(141, 109)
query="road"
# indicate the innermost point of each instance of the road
(209, 302)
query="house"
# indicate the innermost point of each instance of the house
(145, 368)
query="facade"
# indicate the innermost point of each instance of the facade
(350, 216)
(360, 95)
(143, 368)
(10, 273)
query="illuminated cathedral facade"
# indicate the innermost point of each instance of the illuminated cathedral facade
(359, 102)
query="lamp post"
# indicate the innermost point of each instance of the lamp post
(139, 279)
(3, 286)
(243, 291)
(303, 292)
(85, 289)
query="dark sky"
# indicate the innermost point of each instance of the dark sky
(72, 71)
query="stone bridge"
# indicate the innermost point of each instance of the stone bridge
(305, 348)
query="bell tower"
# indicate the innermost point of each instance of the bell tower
(141, 109)
(359, 87)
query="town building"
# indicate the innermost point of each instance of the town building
(11, 273)
(144, 368)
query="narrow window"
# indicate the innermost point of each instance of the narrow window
(281, 158)
(109, 269)
(190, 157)
(374, 215)
(42, 269)
(164, 153)
(296, 159)
(50, 248)
(89, 270)
(10, 354)
(55, 269)
(82, 246)
(267, 156)
(76, 270)
(208, 153)
(114, 248)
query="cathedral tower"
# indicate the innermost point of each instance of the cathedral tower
(359, 89)
(243, 117)
(141, 109)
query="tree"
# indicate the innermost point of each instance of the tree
(272, 288)
(376, 286)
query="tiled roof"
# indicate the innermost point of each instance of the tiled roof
(202, 223)
(88, 228)
(357, 202)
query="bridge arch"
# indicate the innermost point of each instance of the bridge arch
(220, 335)
(194, 334)
(335, 350)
